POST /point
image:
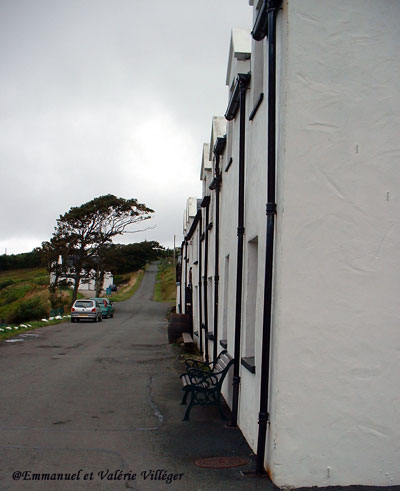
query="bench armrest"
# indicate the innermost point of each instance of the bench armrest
(201, 377)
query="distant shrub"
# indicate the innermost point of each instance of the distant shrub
(29, 310)
(5, 283)
(41, 280)
(119, 279)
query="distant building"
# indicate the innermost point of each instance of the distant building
(290, 258)
(87, 282)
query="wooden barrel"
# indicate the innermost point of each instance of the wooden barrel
(178, 323)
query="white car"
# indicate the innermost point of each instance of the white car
(86, 309)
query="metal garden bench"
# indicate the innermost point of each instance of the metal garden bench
(203, 381)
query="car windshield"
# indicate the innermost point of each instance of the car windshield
(84, 303)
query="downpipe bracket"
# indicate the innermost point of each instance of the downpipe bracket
(270, 209)
(236, 380)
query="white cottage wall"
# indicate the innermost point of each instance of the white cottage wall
(335, 418)
(228, 247)
(255, 222)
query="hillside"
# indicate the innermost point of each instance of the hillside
(24, 295)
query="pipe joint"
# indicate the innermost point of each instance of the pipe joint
(273, 5)
(263, 418)
(270, 209)
(240, 231)
(236, 380)
(244, 80)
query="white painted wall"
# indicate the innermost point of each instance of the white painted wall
(335, 407)
(85, 285)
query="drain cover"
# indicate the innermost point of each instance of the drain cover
(221, 462)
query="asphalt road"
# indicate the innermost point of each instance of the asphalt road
(89, 405)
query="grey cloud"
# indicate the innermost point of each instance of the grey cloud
(104, 96)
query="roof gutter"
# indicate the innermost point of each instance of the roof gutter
(192, 229)
(234, 101)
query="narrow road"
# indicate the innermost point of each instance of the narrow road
(80, 396)
(95, 406)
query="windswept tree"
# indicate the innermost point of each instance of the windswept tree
(85, 229)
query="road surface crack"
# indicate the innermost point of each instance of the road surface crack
(155, 408)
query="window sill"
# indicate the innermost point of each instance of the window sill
(249, 363)
(229, 164)
(223, 343)
(257, 105)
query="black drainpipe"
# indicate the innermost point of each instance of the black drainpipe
(238, 101)
(200, 295)
(186, 274)
(206, 203)
(216, 185)
(180, 285)
(266, 25)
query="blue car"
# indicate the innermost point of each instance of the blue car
(107, 309)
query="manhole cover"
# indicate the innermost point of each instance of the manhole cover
(221, 462)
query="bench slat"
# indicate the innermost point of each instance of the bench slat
(187, 338)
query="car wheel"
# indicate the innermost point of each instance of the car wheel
(73, 321)
(100, 318)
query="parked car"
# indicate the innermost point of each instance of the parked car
(86, 309)
(107, 308)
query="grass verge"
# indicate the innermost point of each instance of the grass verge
(128, 289)
(11, 331)
(165, 287)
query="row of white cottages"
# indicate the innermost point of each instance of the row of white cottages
(291, 258)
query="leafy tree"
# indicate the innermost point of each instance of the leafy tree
(132, 257)
(84, 230)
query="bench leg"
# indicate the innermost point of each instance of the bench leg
(191, 404)
(185, 395)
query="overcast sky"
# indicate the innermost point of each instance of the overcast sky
(107, 96)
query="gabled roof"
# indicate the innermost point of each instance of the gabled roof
(240, 50)
(190, 213)
(218, 130)
(206, 163)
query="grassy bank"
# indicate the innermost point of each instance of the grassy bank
(128, 287)
(165, 287)
(24, 295)
(24, 299)
(23, 291)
